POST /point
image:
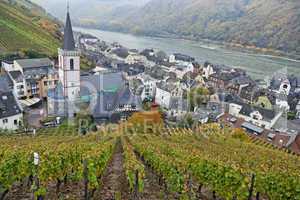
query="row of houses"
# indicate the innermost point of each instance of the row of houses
(281, 91)
(30, 78)
(24, 82)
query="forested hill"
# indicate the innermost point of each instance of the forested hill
(26, 26)
(262, 23)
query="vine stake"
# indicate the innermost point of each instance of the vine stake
(86, 180)
(136, 185)
(251, 187)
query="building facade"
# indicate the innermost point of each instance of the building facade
(11, 114)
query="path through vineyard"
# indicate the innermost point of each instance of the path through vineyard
(115, 183)
(152, 190)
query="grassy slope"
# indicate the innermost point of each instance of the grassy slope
(24, 28)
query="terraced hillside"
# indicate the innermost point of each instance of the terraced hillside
(24, 25)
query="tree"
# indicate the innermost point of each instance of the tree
(146, 105)
(145, 122)
(161, 55)
(187, 121)
(197, 97)
(83, 122)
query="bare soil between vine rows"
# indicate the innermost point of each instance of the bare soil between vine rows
(114, 182)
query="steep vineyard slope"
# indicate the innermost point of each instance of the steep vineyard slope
(24, 25)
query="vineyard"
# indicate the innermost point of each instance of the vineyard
(21, 28)
(207, 163)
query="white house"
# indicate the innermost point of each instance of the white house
(208, 71)
(255, 115)
(19, 83)
(165, 91)
(177, 58)
(172, 58)
(89, 38)
(135, 58)
(9, 66)
(282, 102)
(11, 114)
(149, 87)
(181, 69)
(90, 46)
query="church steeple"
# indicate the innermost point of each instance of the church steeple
(69, 69)
(69, 42)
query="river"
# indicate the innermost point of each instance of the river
(259, 66)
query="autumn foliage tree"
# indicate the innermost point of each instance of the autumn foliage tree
(145, 122)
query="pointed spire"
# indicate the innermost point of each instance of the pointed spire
(69, 42)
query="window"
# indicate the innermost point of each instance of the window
(5, 121)
(15, 122)
(45, 83)
(71, 64)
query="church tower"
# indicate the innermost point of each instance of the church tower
(69, 64)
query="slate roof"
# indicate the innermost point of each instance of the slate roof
(69, 42)
(277, 79)
(248, 109)
(242, 80)
(226, 97)
(34, 63)
(16, 75)
(6, 84)
(41, 71)
(178, 104)
(121, 52)
(125, 96)
(249, 92)
(252, 127)
(101, 82)
(224, 76)
(295, 82)
(182, 57)
(169, 87)
(107, 102)
(8, 105)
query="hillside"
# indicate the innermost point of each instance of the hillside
(263, 23)
(271, 24)
(24, 25)
(92, 12)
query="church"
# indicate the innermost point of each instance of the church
(107, 95)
